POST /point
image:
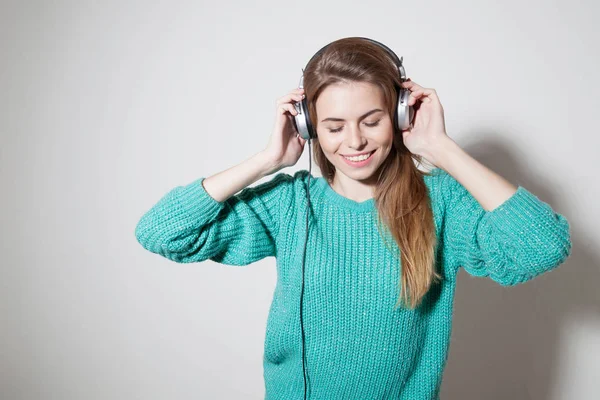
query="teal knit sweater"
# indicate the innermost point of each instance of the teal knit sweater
(358, 346)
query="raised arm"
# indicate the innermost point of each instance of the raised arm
(206, 220)
(492, 228)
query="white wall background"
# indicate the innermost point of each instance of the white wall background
(105, 106)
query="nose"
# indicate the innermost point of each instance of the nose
(356, 140)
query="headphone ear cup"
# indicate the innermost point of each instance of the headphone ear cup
(302, 120)
(405, 113)
(311, 129)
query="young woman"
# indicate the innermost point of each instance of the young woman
(385, 239)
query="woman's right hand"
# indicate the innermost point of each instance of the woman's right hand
(285, 145)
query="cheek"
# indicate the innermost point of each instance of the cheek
(330, 149)
(328, 145)
(386, 134)
(386, 140)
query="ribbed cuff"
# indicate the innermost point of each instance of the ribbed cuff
(539, 231)
(519, 210)
(196, 202)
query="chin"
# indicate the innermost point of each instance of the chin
(358, 174)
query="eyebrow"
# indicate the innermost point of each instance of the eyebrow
(361, 117)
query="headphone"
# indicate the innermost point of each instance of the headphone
(403, 117)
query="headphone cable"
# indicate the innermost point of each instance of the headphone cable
(303, 256)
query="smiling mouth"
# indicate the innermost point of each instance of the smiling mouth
(362, 157)
(358, 154)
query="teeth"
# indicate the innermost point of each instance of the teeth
(359, 158)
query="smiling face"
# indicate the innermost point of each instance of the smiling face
(353, 120)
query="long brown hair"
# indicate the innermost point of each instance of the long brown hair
(401, 196)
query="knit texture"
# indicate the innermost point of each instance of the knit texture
(358, 346)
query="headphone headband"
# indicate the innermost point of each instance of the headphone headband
(397, 61)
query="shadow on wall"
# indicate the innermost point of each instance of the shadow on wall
(506, 341)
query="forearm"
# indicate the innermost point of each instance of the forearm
(226, 183)
(486, 186)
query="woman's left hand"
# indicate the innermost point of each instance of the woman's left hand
(428, 133)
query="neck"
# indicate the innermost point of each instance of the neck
(353, 189)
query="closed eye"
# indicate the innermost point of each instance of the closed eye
(369, 125)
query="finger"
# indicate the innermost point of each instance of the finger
(296, 91)
(287, 107)
(416, 87)
(424, 91)
(422, 97)
(414, 96)
(289, 97)
(410, 84)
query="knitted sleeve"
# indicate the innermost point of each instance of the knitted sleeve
(518, 240)
(188, 225)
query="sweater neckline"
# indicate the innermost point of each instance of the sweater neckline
(336, 198)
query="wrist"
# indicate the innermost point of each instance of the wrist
(443, 153)
(267, 164)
